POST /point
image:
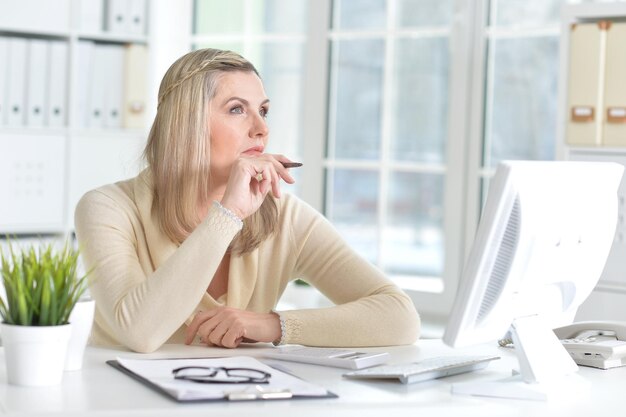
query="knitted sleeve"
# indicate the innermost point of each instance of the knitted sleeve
(370, 310)
(133, 303)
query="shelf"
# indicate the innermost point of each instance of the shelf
(44, 170)
(67, 35)
(75, 133)
(61, 35)
(608, 298)
(108, 133)
(112, 37)
(599, 150)
(32, 131)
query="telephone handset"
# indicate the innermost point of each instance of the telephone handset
(600, 344)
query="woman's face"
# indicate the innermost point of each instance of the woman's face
(237, 121)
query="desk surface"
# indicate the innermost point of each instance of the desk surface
(101, 390)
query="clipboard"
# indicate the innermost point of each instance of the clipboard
(295, 389)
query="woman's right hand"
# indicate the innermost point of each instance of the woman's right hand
(251, 178)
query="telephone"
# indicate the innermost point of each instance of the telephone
(600, 344)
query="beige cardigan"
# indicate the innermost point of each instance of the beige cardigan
(147, 288)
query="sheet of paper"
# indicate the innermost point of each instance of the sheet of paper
(159, 372)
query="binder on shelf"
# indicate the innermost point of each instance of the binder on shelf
(4, 57)
(114, 85)
(84, 82)
(91, 16)
(56, 110)
(16, 81)
(135, 88)
(137, 17)
(96, 87)
(37, 71)
(116, 12)
(585, 67)
(614, 115)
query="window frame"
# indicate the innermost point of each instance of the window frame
(429, 301)
(477, 170)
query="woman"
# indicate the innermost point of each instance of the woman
(201, 245)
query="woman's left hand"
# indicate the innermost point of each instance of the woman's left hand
(228, 327)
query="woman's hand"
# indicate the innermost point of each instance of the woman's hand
(251, 178)
(228, 327)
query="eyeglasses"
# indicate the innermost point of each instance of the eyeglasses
(212, 375)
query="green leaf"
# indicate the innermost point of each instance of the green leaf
(41, 285)
(21, 295)
(45, 309)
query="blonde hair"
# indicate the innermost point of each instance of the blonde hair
(178, 149)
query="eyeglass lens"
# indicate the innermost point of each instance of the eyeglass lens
(221, 374)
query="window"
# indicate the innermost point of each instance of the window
(386, 162)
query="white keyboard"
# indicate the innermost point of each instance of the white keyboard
(426, 369)
(341, 358)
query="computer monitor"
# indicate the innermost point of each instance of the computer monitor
(541, 245)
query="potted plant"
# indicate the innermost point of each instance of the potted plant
(41, 286)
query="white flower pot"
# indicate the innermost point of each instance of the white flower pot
(81, 319)
(35, 355)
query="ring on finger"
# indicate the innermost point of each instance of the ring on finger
(259, 176)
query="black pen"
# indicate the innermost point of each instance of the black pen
(291, 164)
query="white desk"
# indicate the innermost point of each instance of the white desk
(100, 390)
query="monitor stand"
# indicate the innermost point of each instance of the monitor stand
(546, 368)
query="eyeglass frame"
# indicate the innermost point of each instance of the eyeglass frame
(263, 379)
